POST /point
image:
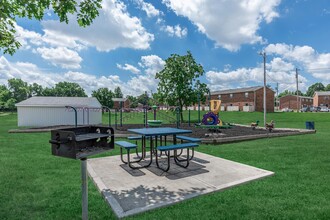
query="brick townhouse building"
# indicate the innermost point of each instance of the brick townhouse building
(251, 96)
(321, 99)
(116, 103)
(290, 101)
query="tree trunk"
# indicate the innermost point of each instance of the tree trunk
(181, 112)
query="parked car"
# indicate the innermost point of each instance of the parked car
(324, 109)
(306, 109)
(315, 109)
(287, 110)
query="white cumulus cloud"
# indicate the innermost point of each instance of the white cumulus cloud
(317, 64)
(129, 68)
(113, 28)
(229, 23)
(137, 85)
(278, 71)
(150, 10)
(61, 56)
(152, 64)
(175, 31)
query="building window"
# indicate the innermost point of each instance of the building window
(231, 95)
(246, 94)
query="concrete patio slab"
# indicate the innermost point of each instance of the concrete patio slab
(129, 192)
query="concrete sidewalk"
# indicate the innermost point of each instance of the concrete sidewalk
(130, 191)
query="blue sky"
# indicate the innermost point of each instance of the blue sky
(131, 39)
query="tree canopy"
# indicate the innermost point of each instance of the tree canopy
(19, 89)
(118, 93)
(178, 84)
(327, 88)
(287, 92)
(85, 10)
(5, 97)
(143, 99)
(68, 89)
(133, 101)
(315, 87)
(104, 95)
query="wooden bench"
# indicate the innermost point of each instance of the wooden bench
(175, 147)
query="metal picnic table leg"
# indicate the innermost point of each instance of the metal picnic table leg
(168, 162)
(177, 160)
(144, 147)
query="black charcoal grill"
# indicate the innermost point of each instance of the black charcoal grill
(81, 142)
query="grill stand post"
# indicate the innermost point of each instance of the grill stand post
(84, 188)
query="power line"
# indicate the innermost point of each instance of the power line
(316, 69)
(271, 78)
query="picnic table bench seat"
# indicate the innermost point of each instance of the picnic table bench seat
(129, 146)
(177, 146)
(133, 138)
(177, 160)
(126, 145)
(189, 139)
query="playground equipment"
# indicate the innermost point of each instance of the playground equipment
(154, 123)
(212, 117)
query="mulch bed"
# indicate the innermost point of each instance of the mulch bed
(234, 131)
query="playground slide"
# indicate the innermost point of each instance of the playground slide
(215, 106)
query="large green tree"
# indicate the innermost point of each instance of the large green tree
(284, 93)
(48, 92)
(19, 89)
(10, 10)
(36, 90)
(327, 88)
(69, 89)
(5, 95)
(315, 87)
(118, 93)
(178, 84)
(104, 95)
(133, 102)
(143, 99)
(287, 92)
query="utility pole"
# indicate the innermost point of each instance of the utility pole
(297, 90)
(277, 99)
(263, 54)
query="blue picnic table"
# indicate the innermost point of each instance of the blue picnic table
(153, 134)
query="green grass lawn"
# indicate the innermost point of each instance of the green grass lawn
(36, 185)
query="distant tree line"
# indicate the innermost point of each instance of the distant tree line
(178, 85)
(310, 91)
(19, 90)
